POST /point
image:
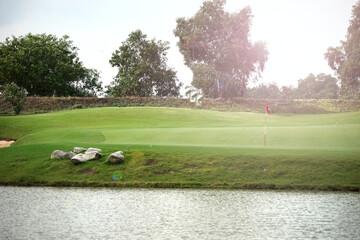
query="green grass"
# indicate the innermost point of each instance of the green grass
(168, 147)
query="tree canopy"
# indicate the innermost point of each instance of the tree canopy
(143, 70)
(217, 42)
(345, 59)
(45, 65)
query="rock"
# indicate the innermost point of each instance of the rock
(62, 154)
(79, 158)
(116, 158)
(84, 157)
(89, 150)
(79, 149)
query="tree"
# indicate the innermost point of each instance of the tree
(193, 94)
(15, 96)
(45, 65)
(265, 91)
(219, 41)
(345, 59)
(204, 79)
(287, 92)
(321, 86)
(142, 69)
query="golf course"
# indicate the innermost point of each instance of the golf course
(177, 147)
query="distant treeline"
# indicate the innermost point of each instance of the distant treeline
(321, 86)
(215, 44)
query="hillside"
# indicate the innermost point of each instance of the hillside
(172, 147)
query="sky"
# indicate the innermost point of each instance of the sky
(297, 32)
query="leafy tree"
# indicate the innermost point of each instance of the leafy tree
(287, 92)
(15, 96)
(45, 65)
(345, 59)
(142, 69)
(204, 79)
(321, 86)
(265, 91)
(219, 42)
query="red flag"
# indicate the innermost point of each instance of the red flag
(267, 108)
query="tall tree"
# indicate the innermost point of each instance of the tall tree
(142, 69)
(204, 79)
(45, 65)
(219, 41)
(345, 59)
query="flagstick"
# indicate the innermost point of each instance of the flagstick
(264, 140)
(265, 130)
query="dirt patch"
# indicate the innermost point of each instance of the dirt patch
(87, 171)
(165, 173)
(4, 143)
(150, 162)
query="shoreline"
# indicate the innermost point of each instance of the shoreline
(187, 185)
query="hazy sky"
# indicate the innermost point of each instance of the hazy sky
(297, 32)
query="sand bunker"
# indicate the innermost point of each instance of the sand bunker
(5, 143)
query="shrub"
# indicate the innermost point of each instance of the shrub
(15, 96)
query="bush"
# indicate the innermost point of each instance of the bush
(14, 95)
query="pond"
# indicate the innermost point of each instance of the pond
(102, 213)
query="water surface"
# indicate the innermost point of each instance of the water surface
(78, 213)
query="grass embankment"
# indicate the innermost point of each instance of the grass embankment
(166, 147)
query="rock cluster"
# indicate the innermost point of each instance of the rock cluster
(89, 154)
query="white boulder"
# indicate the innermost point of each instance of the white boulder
(62, 154)
(79, 149)
(89, 150)
(116, 158)
(84, 157)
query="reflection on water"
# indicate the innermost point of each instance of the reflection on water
(77, 213)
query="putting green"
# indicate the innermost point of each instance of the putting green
(186, 127)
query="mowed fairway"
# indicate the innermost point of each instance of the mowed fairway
(188, 132)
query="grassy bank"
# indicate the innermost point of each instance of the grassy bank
(168, 147)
